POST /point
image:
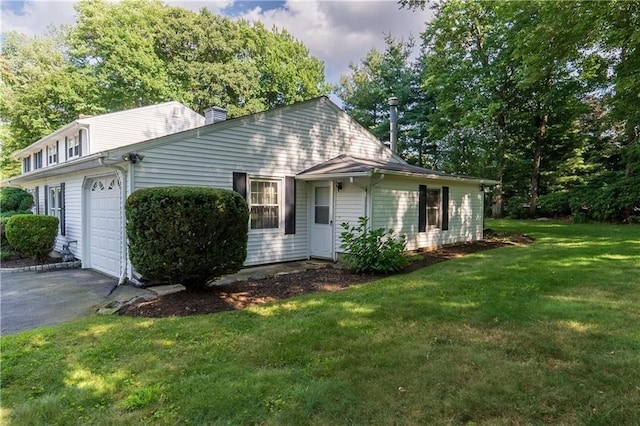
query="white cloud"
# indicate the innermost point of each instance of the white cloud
(35, 17)
(340, 32)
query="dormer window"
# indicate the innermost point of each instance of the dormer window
(37, 160)
(26, 164)
(73, 147)
(52, 154)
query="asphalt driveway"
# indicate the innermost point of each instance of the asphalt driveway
(34, 299)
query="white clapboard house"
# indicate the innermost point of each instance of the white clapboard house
(304, 169)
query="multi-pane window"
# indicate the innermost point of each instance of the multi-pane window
(37, 160)
(26, 164)
(264, 202)
(55, 202)
(52, 154)
(73, 147)
(433, 207)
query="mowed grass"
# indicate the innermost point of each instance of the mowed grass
(543, 333)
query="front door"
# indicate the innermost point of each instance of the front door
(322, 220)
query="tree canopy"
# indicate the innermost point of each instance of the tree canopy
(140, 52)
(542, 96)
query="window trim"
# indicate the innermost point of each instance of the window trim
(26, 164)
(53, 152)
(73, 144)
(37, 160)
(437, 208)
(55, 193)
(279, 205)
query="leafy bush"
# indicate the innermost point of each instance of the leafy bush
(188, 235)
(555, 204)
(612, 199)
(6, 253)
(516, 207)
(377, 251)
(15, 199)
(32, 234)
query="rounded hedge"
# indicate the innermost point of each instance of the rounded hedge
(189, 235)
(15, 199)
(33, 234)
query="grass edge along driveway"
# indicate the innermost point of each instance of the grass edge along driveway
(544, 333)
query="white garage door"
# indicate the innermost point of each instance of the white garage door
(105, 224)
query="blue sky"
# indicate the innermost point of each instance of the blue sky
(337, 32)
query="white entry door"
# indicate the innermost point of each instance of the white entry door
(104, 224)
(322, 220)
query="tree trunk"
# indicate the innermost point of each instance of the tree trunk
(537, 161)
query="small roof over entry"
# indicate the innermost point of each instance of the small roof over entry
(346, 166)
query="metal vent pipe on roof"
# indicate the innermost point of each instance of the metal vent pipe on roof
(393, 123)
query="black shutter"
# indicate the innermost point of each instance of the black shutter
(63, 224)
(289, 205)
(46, 200)
(80, 143)
(57, 151)
(66, 149)
(445, 208)
(422, 209)
(240, 183)
(36, 200)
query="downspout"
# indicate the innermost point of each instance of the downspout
(122, 175)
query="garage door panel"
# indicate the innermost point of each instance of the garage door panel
(105, 220)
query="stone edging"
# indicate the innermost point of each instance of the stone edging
(49, 267)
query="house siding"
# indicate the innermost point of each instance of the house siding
(275, 144)
(349, 206)
(126, 127)
(395, 205)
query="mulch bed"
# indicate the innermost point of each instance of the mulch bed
(24, 262)
(240, 295)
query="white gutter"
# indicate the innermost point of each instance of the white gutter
(436, 176)
(60, 168)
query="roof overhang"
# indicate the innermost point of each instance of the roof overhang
(84, 163)
(381, 171)
(49, 137)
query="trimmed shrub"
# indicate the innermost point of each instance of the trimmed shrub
(189, 235)
(15, 199)
(33, 234)
(373, 251)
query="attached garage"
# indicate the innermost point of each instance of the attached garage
(103, 197)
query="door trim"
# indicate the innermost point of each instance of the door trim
(312, 188)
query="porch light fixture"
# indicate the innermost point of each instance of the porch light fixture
(339, 185)
(133, 157)
(485, 188)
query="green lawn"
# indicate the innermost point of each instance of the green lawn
(544, 333)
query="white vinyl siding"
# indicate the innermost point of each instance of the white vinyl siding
(349, 207)
(395, 205)
(127, 127)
